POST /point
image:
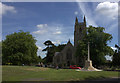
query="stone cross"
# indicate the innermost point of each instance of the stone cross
(88, 52)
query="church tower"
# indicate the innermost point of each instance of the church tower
(79, 31)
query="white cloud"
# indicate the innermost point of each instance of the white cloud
(89, 17)
(45, 29)
(57, 42)
(41, 25)
(4, 9)
(76, 12)
(58, 32)
(40, 31)
(108, 9)
(49, 33)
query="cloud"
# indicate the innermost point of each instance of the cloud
(41, 25)
(58, 32)
(57, 42)
(42, 28)
(76, 12)
(45, 29)
(40, 32)
(108, 9)
(4, 9)
(84, 9)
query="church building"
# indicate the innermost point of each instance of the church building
(67, 57)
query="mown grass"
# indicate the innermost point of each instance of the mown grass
(30, 73)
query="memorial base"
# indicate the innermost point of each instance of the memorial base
(89, 67)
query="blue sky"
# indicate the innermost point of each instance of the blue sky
(55, 20)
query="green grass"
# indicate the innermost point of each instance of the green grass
(30, 73)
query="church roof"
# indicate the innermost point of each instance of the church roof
(68, 45)
(69, 42)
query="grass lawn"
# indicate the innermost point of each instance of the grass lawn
(30, 73)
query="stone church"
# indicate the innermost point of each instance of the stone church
(67, 57)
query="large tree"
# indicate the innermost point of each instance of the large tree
(50, 51)
(98, 45)
(19, 48)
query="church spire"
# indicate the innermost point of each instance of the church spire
(76, 21)
(69, 41)
(84, 19)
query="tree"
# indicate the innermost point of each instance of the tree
(50, 51)
(19, 48)
(98, 45)
(81, 52)
(116, 57)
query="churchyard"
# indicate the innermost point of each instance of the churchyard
(32, 73)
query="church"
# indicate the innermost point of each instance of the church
(67, 57)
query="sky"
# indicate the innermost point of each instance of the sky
(55, 20)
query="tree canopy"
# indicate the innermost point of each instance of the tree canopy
(50, 51)
(19, 48)
(98, 45)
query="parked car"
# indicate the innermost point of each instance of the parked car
(74, 67)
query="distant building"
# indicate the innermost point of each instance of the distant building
(67, 56)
